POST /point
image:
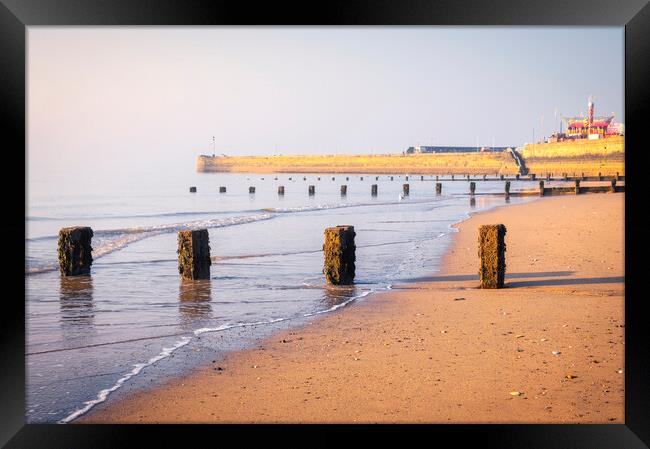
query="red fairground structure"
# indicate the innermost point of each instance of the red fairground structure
(591, 127)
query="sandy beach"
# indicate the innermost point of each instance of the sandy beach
(549, 348)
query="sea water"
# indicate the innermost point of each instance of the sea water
(134, 323)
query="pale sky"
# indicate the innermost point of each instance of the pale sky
(118, 96)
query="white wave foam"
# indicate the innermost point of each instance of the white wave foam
(103, 394)
(120, 238)
(166, 352)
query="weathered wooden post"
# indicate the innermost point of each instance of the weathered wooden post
(333, 178)
(438, 188)
(612, 187)
(339, 251)
(484, 177)
(304, 178)
(472, 188)
(452, 177)
(532, 176)
(548, 176)
(373, 190)
(566, 176)
(467, 177)
(344, 190)
(251, 189)
(583, 176)
(517, 176)
(577, 184)
(289, 178)
(405, 189)
(507, 186)
(436, 177)
(312, 190)
(222, 189)
(192, 189)
(407, 178)
(501, 177)
(75, 250)
(618, 178)
(347, 178)
(391, 178)
(491, 253)
(194, 254)
(280, 190)
(541, 188)
(362, 178)
(318, 179)
(421, 178)
(600, 176)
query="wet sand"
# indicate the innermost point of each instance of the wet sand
(442, 350)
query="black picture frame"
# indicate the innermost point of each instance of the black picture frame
(16, 15)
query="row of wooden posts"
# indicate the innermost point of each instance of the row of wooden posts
(467, 177)
(75, 254)
(472, 189)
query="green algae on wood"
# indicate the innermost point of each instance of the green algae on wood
(491, 253)
(194, 254)
(75, 250)
(339, 255)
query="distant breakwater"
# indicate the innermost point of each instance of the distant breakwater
(422, 164)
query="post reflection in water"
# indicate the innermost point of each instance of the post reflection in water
(472, 202)
(335, 295)
(194, 300)
(76, 301)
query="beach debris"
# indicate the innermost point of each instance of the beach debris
(339, 252)
(194, 254)
(491, 252)
(570, 376)
(520, 350)
(620, 371)
(75, 250)
(542, 339)
(443, 331)
(556, 352)
(518, 336)
(459, 299)
(516, 393)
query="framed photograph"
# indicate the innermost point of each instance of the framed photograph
(358, 212)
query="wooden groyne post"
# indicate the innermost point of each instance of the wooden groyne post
(541, 188)
(280, 190)
(577, 185)
(438, 188)
(373, 190)
(452, 177)
(532, 176)
(251, 189)
(75, 250)
(548, 176)
(391, 178)
(312, 190)
(501, 177)
(507, 189)
(600, 176)
(613, 185)
(472, 188)
(222, 189)
(492, 255)
(517, 177)
(194, 254)
(405, 189)
(192, 189)
(421, 178)
(339, 253)
(344, 190)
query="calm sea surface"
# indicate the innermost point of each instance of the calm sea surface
(133, 323)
